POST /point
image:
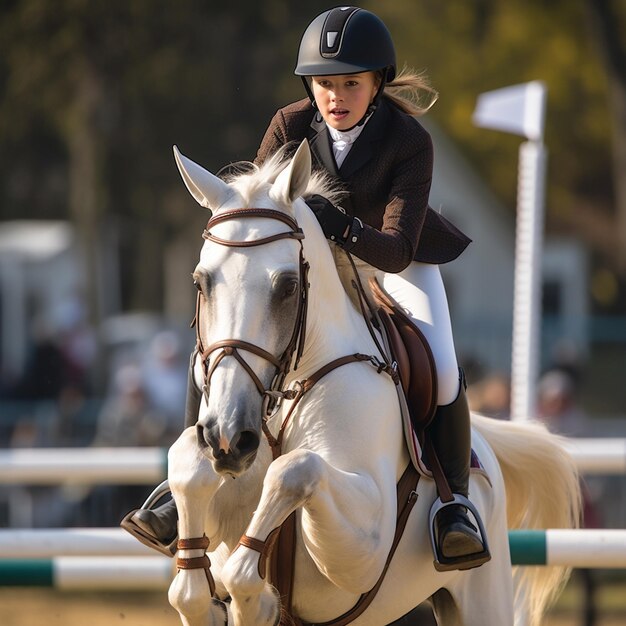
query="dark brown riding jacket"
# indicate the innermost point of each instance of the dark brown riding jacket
(387, 175)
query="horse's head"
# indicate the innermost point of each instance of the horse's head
(251, 280)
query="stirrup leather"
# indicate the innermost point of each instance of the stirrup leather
(130, 526)
(445, 564)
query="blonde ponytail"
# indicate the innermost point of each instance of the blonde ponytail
(411, 92)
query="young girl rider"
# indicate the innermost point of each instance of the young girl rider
(363, 132)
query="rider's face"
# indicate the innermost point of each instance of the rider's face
(343, 99)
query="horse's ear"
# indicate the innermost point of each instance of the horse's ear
(291, 183)
(208, 190)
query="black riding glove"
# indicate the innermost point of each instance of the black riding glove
(334, 222)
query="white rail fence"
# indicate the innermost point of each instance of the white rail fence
(109, 558)
(571, 548)
(137, 466)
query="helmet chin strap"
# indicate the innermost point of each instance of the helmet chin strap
(371, 109)
(308, 91)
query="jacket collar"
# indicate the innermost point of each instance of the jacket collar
(362, 150)
(321, 144)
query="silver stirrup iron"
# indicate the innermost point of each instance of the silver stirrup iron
(443, 564)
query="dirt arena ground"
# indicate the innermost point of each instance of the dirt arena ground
(45, 607)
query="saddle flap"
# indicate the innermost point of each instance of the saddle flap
(413, 355)
(397, 347)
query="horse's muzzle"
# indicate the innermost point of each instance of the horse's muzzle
(233, 457)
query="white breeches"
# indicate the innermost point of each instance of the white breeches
(419, 290)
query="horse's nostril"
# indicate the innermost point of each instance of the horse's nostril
(206, 440)
(202, 443)
(248, 442)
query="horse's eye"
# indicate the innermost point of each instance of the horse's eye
(291, 288)
(196, 284)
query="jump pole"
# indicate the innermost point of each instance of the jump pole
(587, 548)
(69, 573)
(594, 548)
(568, 548)
(38, 543)
(148, 466)
(84, 466)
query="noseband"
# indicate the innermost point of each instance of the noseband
(231, 347)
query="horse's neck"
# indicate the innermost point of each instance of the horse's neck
(335, 325)
(346, 270)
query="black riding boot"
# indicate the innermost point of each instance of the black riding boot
(457, 538)
(157, 527)
(159, 522)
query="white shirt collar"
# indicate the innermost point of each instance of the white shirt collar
(343, 140)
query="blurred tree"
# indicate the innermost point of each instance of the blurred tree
(468, 48)
(93, 94)
(608, 26)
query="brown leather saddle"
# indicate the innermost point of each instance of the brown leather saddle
(413, 356)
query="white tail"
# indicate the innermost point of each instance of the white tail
(543, 491)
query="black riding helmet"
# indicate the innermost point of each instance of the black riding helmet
(346, 40)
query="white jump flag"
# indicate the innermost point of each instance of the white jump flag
(519, 110)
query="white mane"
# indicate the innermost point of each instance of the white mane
(250, 180)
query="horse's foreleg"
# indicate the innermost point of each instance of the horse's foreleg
(347, 533)
(193, 483)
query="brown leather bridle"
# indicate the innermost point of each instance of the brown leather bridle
(282, 363)
(231, 347)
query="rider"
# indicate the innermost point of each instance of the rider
(363, 133)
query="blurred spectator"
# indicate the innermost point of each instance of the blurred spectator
(77, 341)
(127, 418)
(491, 396)
(45, 373)
(557, 405)
(47, 404)
(165, 380)
(145, 408)
(566, 358)
(74, 421)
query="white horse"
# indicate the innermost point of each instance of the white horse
(343, 447)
